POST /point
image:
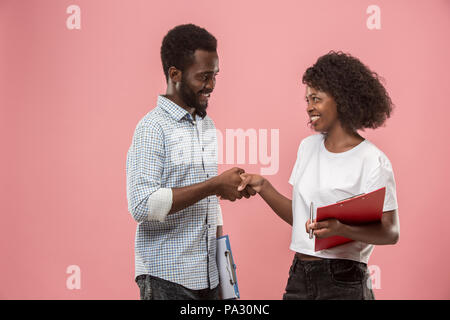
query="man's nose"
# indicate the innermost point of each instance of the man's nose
(210, 84)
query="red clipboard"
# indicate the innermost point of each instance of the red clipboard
(361, 209)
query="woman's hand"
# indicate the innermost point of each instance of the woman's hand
(325, 228)
(253, 180)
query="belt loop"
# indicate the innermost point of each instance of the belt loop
(329, 262)
(296, 261)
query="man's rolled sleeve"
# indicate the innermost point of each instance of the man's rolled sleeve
(219, 216)
(159, 204)
(145, 162)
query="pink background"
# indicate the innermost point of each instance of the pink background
(70, 100)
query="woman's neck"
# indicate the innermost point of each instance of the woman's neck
(340, 140)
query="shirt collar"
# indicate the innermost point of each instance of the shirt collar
(174, 110)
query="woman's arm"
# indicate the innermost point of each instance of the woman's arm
(385, 232)
(281, 205)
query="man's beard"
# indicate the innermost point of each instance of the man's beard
(192, 99)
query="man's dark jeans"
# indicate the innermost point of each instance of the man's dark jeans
(153, 288)
(328, 279)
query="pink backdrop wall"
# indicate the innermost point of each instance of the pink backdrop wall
(70, 100)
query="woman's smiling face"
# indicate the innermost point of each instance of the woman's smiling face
(321, 109)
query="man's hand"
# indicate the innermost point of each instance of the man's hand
(227, 185)
(325, 228)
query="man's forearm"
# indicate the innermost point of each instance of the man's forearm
(219, 232)
(187, 196)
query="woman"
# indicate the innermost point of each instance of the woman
(343, 96)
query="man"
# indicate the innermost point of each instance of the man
(172, 182)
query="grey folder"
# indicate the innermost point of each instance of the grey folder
(227, 269)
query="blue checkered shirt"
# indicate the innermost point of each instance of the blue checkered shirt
(170, 150)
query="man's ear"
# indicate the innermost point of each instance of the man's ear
(175, 74)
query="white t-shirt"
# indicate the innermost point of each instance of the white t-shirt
(324, 177)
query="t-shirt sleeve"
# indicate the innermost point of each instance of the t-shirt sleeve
(383, 176)
(296, 165)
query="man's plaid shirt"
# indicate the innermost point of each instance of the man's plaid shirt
(170, 150)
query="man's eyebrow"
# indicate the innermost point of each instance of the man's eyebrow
(214, 71)
(209, 71)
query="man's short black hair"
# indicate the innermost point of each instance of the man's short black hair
(179, 45)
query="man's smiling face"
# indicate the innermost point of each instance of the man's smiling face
(198, 81)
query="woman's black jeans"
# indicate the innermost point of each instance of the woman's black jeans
(328, 279)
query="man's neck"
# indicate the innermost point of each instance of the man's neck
(176, 99)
